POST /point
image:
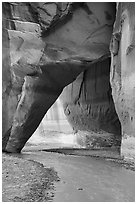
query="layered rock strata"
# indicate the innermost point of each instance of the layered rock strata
(46, 46)
(11, 83)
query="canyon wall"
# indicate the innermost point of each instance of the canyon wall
(90, 109)
(49, 46)
(122, 75)
(11, 83)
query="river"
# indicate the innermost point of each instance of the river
(87, 179)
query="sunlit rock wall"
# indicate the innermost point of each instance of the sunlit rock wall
(122, 76)
(54, 130)
(55, 120)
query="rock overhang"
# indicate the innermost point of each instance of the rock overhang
(51, 51)
(83, 37)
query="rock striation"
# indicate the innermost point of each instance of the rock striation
(89, 107)
(122, 75)
(48, 46)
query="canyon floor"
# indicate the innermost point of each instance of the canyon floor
(36, 175)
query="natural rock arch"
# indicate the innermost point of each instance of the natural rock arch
(51, 54)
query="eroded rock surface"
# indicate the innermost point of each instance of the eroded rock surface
(11, 83)
(123, 73)
(89, 107)
(49, 45)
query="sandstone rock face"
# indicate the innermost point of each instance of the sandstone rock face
(46, 46)
(51, 53)
(123, 72)
(6, 82)
(89, 107)
(38, 94)
(11, 84)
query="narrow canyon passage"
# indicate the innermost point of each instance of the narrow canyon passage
(51, 57)
(68, 100)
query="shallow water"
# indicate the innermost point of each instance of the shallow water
(87, 179)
